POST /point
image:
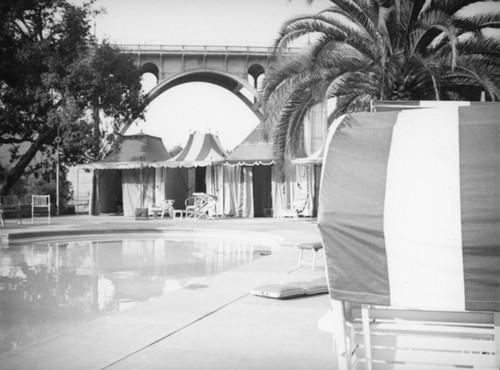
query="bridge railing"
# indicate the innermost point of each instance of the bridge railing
(158, 48)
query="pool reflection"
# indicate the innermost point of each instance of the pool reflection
(49, 287)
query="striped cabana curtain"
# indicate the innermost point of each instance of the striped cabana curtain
(410, 208)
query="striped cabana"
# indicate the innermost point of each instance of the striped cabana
(410, 208)
(201, 150)
(197, 168)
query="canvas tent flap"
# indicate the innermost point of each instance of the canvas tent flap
(251, 155)
(315, 158)
(132, 151)
(201, 150)
(255, 150)
(410, 208)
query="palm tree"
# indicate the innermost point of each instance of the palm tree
(381, 49)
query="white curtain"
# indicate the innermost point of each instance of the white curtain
(214, 181)
(160, 180)
(133, 189)
(238, 191)
(283, 189)
(245, 192)
(230, 190)
(279, 194)
(304, 186)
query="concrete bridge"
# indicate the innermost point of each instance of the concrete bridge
(235, 68)
(238, 69)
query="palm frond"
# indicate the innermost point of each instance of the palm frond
(356, 13)
(475, 73)
(398, 23)
(292, 66)
(423, 39)
(285, 141)
(476, 22)
(296, 28)
(355, 83)
(486, 46)
(422, 80)
(450, 7)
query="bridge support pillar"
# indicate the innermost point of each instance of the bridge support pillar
(315, 127)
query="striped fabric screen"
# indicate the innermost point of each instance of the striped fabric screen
(410, 208)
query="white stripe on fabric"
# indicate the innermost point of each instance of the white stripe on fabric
(212, 156)
(422, 223)
(443, 104)
(197, 146)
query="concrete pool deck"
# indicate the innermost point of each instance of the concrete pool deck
(220, 325)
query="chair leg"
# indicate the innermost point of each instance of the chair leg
(496, 322)
(365, 317)
(340, 343)
(301, 254)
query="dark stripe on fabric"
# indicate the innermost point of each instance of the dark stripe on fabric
(218, 146)
(182, 155)
(351, 210)
(208, 143)
(391, 106)
(479, 130)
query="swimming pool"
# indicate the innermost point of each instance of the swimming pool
(53, 285)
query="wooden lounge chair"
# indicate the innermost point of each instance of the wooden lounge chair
(372, 337)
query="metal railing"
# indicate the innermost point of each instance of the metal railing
(200, 49)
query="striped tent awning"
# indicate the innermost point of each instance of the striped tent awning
(410, 208)
(201, 150)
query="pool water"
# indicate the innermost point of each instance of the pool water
(47, 287)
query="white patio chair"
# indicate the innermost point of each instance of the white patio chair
(40, 206)
(374, 337)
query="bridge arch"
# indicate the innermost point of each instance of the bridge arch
(230, 82)
(256, 71)
(151, 68)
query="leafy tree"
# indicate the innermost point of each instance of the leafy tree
(381, 49)
(175, 150)
(52, 74)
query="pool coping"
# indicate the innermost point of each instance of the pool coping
(261, 238)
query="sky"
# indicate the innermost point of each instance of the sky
(197, 106)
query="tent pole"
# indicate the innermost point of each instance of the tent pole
(77, 190)
(98, 211)
(223, 193)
